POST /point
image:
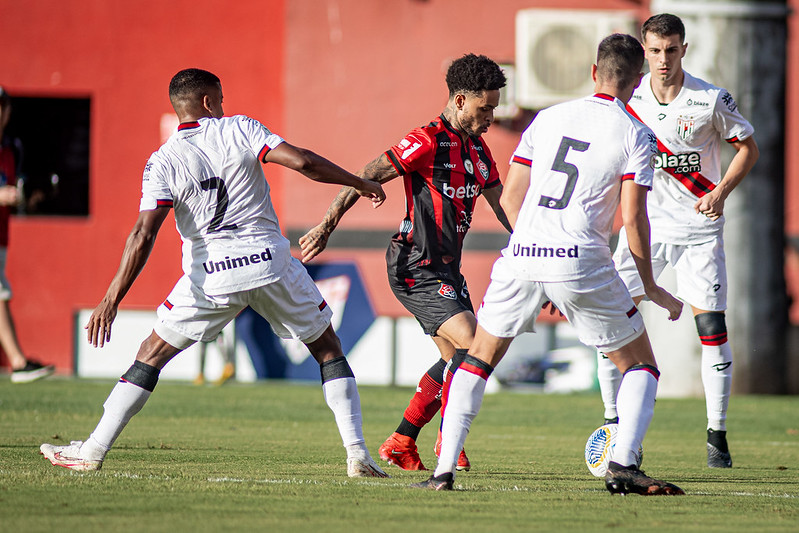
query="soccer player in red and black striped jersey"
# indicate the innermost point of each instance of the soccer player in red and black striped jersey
(445, 166)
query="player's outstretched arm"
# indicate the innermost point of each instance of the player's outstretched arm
(514, 191)
(137, 249)
(712, 204)
(317, 168)
(492, 196)
(380, 170)
(636, 223)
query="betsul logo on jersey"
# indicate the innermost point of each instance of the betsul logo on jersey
(447, 291)
(464, 191)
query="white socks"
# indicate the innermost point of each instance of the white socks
(636, 406)
(342, 397)
(717, 380)
(465, 398)
(124, 401)
(609, 379)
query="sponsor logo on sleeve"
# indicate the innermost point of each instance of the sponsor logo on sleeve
(729, 101)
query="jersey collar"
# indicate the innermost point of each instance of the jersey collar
(188, 125)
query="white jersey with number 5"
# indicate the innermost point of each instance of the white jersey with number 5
(579, 153)
(210, 172)
(689, 130)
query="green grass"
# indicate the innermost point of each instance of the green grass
(268, 457)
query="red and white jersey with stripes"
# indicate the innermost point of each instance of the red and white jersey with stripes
(689, 131)
(210, 172)
(579, 152)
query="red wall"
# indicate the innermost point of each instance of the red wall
(122, 55)
(346, 78)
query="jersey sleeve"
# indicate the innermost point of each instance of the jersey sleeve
(411, 153)
(260, 138)
(523, 154)
(641, 159)
(728, 121)
(493, 173)
(155, 191)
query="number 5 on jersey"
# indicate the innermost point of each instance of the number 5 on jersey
(560, 165)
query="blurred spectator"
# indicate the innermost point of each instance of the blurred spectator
(24, 370)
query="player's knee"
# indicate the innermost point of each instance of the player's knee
(712, 328)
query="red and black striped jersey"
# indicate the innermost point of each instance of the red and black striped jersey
(442, 176)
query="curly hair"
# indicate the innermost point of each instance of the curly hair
(663, 25)
(474, 74)
(191, 84)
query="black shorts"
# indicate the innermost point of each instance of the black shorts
(432, 298)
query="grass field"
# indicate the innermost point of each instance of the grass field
(268, 457)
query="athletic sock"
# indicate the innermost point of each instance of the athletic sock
(341, 396)
(466, 394)
(609, 379)
(717, 380)
(636, 406)
(126, 399)
(449, 371)
(425, 403)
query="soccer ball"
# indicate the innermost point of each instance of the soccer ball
(599, 448)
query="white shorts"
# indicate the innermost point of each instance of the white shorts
(700, 268)
(598, 307)
(293, 306)
(5, 287)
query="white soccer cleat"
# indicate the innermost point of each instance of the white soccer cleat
(69, 456)
(364, 467)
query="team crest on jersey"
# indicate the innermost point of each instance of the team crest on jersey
(447, 291)
(483, 168)
(685, 126)
(467, 164)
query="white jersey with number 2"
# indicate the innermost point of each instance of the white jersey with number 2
(210, 172)
(579, 153)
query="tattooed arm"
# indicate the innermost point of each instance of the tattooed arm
(312, 243)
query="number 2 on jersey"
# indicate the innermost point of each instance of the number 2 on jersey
(221, 204)
(560, 165)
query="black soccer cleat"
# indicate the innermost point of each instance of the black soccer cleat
(442, 482)
(629, 480)
(718, 453)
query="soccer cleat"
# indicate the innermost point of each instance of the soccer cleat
(363, 467)
(400, 450)
(629, 480)
(69, 456)
(614, 420)
(31, 372)
(228, 371)
(442, 482)
(718, 453)
(463, 461)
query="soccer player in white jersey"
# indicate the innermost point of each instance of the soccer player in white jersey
(686, 208)
(575, 164)
(234, 255)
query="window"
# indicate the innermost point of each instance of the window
(54, 133)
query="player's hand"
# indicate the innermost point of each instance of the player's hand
(99, 325)
(664, 299)
(8, 195)
(313, 242)
(552, 309)
(710, 205)
(372, 190)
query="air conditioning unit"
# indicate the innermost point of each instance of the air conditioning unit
(555, 50)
